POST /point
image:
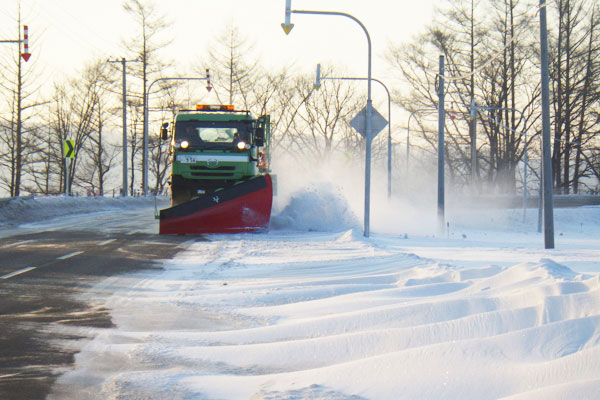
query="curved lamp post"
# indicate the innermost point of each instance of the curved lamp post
(287, 27)
(412, 114)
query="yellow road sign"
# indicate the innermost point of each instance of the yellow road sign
(69, 148)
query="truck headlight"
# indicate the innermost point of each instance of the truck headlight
(185, 144)
(241, 145)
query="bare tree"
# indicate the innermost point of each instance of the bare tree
(44, 171)
(75, 109)
(489, 63)
(146, 46)
(100, 155)
(320, 126)
(588, 125)
(233, 68)
(159, 149)
(17, 138)
(575, 73)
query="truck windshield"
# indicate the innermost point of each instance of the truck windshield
(208, 134)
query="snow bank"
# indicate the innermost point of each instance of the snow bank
(28, 209)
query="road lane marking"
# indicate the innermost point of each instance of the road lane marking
(10, 375)
(106, 242)
(19, 272)
(73, 254)
(17, 244)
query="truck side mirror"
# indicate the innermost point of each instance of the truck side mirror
(164, 131)
(259, 136)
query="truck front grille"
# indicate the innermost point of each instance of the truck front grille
(205, 168)
(217, 172)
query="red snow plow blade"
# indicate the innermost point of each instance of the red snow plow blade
(243, 207)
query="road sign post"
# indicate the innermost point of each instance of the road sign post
(69, 153)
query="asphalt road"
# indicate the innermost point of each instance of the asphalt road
(41, 276)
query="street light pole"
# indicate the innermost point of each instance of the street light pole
(525, 162)
(441, 121)
(146, 120)
(287, 27)
(473, 143)
(547, 162)
(412, 113)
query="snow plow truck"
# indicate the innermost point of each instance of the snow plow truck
(220, 180)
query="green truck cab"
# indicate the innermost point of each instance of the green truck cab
(214, 147)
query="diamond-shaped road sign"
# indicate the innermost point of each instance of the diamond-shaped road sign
(378, 122)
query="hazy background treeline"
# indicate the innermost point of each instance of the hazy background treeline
(492, 60)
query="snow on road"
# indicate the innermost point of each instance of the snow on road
(296, 313)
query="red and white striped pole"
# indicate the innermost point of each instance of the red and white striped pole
(26, 54)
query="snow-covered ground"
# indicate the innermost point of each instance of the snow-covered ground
(313, 310)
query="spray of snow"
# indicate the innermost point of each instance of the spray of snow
(317, 207)
(330, 197)
(313, 198)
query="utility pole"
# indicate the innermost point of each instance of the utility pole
(525, 163)
(547, 162)
(473, 129)
(441, 120)
(124, 62)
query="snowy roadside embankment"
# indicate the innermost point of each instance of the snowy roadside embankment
(106, 214)
(17, 211)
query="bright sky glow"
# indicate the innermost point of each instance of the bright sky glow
(67, 34)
